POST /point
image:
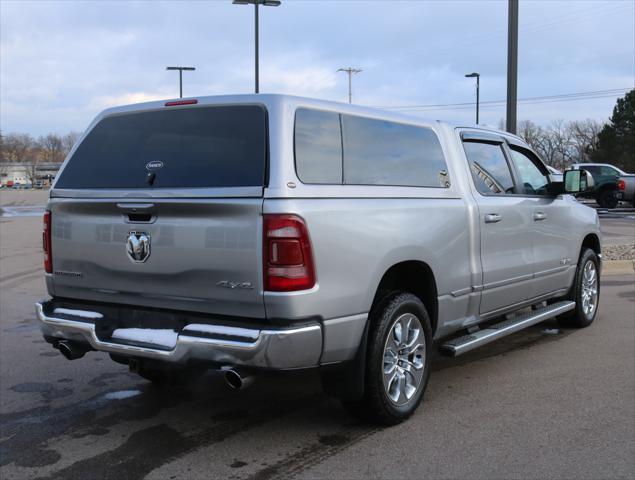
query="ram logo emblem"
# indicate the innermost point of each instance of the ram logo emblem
(138, 246)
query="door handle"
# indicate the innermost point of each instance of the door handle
(492, 218)
(539, 216)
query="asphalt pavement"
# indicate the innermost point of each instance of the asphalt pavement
(543, 403)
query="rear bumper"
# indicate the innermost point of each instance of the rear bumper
(277, 349)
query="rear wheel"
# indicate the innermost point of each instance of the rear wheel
(585, 291)
(398, 361)
(607, 199)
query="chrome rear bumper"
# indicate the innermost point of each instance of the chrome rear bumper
(277, 349)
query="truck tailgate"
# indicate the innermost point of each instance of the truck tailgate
(203, 255)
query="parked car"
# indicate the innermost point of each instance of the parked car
(626, 188)
(264, 232)
(605, 177)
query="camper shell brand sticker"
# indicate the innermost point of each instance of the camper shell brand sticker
(154, 165)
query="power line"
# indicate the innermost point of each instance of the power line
(500, 105)
(540, 99)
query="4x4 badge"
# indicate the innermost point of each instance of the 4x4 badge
(138, 246)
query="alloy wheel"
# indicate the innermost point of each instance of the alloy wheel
(404, 359)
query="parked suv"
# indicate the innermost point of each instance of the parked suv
(267, 232)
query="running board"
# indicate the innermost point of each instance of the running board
(460, 345)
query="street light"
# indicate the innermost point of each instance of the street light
(351, 72)
(255, 3)
(478, 78)
(180, 69)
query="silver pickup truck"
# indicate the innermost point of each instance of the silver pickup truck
(267, 232)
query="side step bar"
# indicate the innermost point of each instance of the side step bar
(460, 345)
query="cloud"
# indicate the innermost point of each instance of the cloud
(107, 101)
(62, 62)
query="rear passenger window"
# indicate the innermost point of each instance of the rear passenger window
(318, 147)
(489, 168)
(378, 152)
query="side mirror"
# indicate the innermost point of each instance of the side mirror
(578, 181)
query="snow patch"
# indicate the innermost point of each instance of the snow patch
(223, 330)
(121, 395)
(163, 338)
(78, 313)
(551, 331)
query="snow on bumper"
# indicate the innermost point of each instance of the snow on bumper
(277, 349)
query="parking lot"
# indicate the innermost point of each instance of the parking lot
(543, 403)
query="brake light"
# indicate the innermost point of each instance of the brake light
(621, 185)
(181, 102)
(46, 243)
(287, 254)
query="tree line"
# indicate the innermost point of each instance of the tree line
(24, 148)
(561, 143)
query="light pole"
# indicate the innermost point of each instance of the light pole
(351, 71)
(255, 3)
(478, 87)
(512, 64)
(180, 69)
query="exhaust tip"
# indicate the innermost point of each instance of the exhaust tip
(70, 351)
(233, 380)
(236, 381)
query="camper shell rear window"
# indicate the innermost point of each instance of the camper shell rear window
(194, 147)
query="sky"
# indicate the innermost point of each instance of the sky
(62, 62)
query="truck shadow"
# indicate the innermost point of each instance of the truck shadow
(163, 425)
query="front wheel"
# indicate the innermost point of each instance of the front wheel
(398, 360)
(585, 291)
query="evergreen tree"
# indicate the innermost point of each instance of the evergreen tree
(616, 141)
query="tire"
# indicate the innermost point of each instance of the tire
(584, 292)
(397, 367)
(606, 199)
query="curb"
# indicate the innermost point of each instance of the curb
(618, 267)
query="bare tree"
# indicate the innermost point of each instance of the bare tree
(561, 143)
(3, 161)
(68, 141)
(540, 139)
(17, 147)
(585, 137)
(52, 148)
(531, 133)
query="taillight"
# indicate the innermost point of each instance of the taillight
(46, 243)
(621, 185)
(288, 259)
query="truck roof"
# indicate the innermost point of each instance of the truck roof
(282, 100)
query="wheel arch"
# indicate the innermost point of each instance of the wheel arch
(592, 241)
(413, 276)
